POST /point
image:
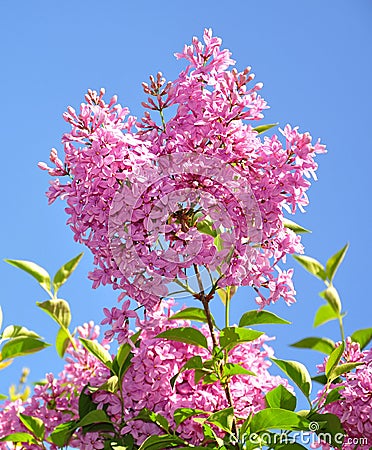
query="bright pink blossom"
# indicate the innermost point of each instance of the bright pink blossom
(354, 408)
(214, 106)
(145, 385)
(156, 361)
(56, 401)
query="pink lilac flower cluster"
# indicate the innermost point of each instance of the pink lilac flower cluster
(56, 401)
(214, 106)
(156, 361)
(146, 385)
(354, 408)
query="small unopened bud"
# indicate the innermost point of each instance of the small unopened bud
(113, 100)
(42, 166)
(258, 86)
(53, 155)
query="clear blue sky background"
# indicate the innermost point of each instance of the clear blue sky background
(315, 60)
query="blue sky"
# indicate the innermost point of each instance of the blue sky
(314, 58)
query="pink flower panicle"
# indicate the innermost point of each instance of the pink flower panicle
(146, 385)
(214, 107)
(156, 361)
(354, 408)
(56, 401)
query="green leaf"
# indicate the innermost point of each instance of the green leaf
(14, 331)
(25, 438)
(86, 404)
(149, 416)
(324, 314)
(62, 341)
(187, 335)
(210, 435)
(258, 317)
(280, 397)
(297, 372)
(64, 272)
(230, 337)
(58, 310)
(226, 293)
(218, 353)
(343, 368)
(108, 445)
(195, 362)
(122, 354)
(126, 442)
(114, 446)
(93, 417)
(182, 414)
(121, 362)
(362, 336)
(34, 424)
(298, 229)
(231, 369)
(101, 427)
(334, 359)
(312, 265)
(36, 271)
(62, 433)
(22, 346)
(125, 349)
(223, 295)
(3, 397)
(218, 242)
(323, 345)
(196, 314)
(334, 262)
(277, 418)
(111, 385)
(333, 395)
(222, 419)
(210, 378)
(4, 364)
(206, 227)
(97, 350)
(262, 128)
(322, 379)
(161, 442)
(333, 299)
